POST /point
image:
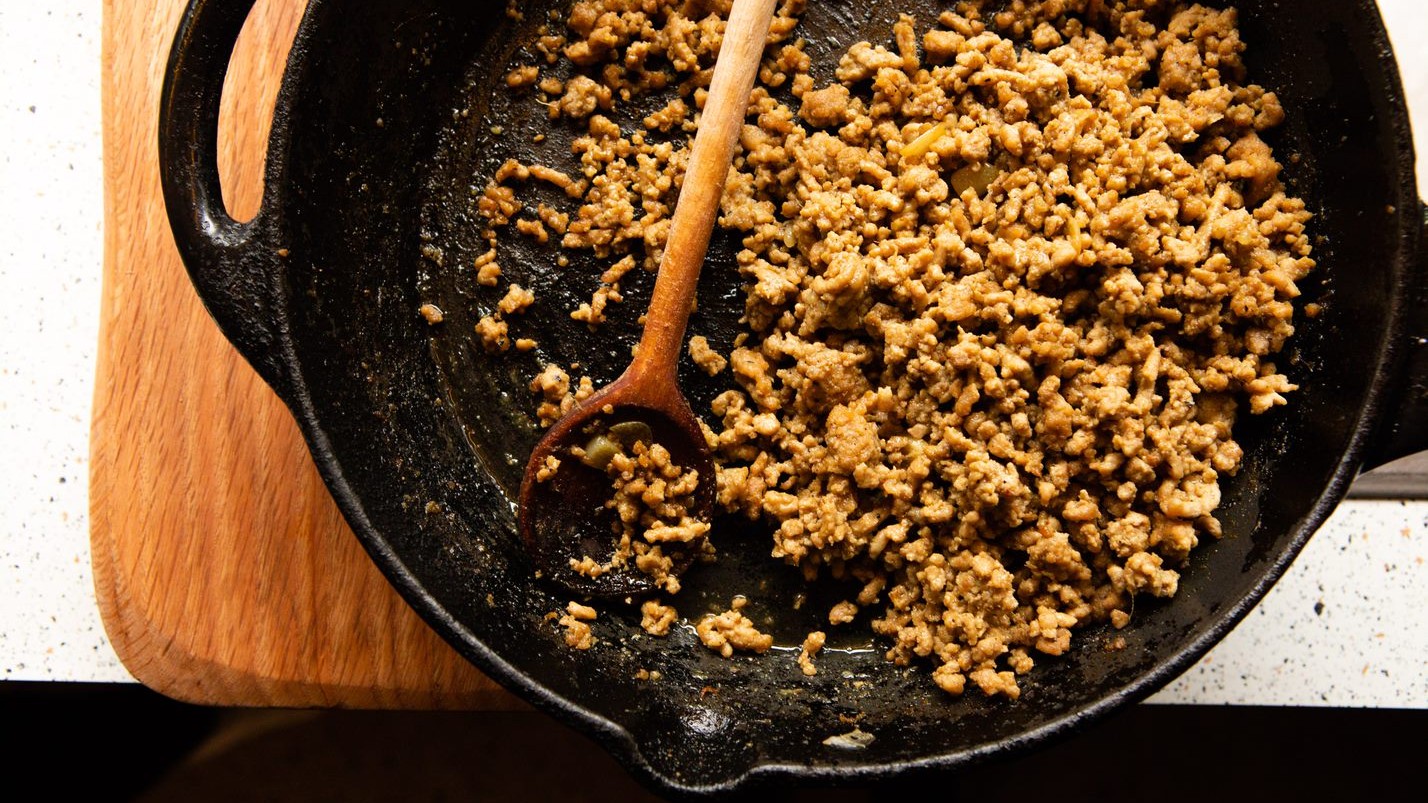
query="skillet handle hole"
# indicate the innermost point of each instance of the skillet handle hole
(250, 94)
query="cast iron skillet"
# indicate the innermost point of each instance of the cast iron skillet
(383, 130)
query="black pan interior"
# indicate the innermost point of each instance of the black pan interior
(392, 108)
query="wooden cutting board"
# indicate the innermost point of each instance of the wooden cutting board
(224, 573)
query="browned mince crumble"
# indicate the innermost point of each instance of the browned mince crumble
(576, 622)
(652, 498)
(1010, 281)
(732, 630)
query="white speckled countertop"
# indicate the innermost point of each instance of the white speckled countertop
(1345, 627)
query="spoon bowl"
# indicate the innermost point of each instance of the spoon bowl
(565, 517)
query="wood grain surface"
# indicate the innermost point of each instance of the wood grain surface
(224, 573)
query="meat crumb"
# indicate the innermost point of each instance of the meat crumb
(708, 360)
(578, 634)
(842, 613)
(494, 333)
(826, 107)
(811, 645)
(517, 299)
(522, 77)
(487, 271)
(657, 618)
(732, 630)
(584, 613)
(548, 467)
(557, 394)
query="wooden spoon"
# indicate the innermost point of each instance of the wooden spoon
(563, 517)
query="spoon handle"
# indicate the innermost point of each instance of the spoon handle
(703, 188)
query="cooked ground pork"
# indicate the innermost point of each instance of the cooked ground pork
(557, 395)
(578, 634)
(652, 499)
(1014, 401)
(709, 361)
(811, 645)
(1009, 282)
(517, 299)
(732, 630)
(657, 618)
(494, 333)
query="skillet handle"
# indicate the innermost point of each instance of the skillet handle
(235, 267)
(1404, 430)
